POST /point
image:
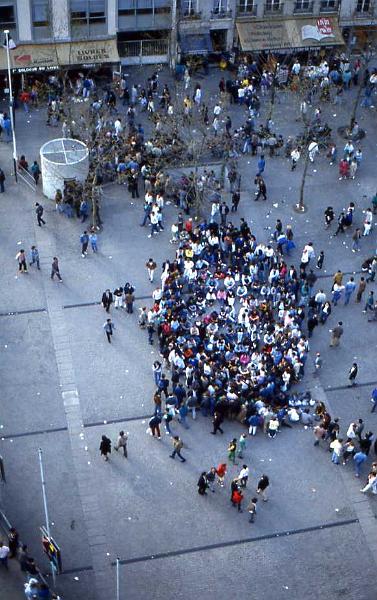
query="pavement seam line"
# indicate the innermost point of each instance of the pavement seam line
(230, 543)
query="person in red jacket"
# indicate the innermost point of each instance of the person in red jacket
(237, 497)
(221, 472)
(343, 169)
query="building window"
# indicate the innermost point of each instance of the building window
(328, 5)
(246, 6)
(220, 6)
(143, 7)
(7, 16)
(88, 17)
(40, 11)
(273, 6)
(190, 7)
(302, 4)
(363, 6)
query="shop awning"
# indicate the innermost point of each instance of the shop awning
(49, 57)
(195, 43)
(280, 34)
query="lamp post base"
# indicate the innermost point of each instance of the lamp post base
(300, 208)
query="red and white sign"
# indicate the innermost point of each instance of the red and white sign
(324, 26)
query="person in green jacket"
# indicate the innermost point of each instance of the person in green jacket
(232, 447)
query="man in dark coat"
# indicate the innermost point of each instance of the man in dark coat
(107, 300)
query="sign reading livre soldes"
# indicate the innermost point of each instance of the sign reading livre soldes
(83, 55)
(39, 57)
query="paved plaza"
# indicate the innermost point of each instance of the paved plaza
(63, 387)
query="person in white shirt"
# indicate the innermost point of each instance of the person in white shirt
(313, 149)
(217, 110)
(118, 127)
(4, 551)
(243, 476)
(154, 223)
(296, 68)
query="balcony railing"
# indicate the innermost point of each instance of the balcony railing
(247, 11)
(273, 8)
(192, 14)
(303, 8)
(221, 14)
(364, 11)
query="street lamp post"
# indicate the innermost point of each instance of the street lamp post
(6, 31)
(45, 505)
(118, 579)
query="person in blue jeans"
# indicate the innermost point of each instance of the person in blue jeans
(359, 458)
(261, 165)
(349, 288)
(183, 412)
(167, 419)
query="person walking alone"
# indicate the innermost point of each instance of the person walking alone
(109, 329)
(336, 334)
(217, 421)
(261, 188)
(177, 445)
(39, 212)
(352, 374)
(55, 269)
(151, 267)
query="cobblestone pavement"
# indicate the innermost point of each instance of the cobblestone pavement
(63, 387)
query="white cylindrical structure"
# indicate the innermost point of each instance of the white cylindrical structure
(61, 160)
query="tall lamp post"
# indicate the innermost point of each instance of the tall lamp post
(6, 31)
(43, 482)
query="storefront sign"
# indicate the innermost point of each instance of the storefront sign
(49, 57)
(283, 34)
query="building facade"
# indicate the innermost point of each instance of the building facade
(153, 31)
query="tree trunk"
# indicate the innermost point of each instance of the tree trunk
(301, 203)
